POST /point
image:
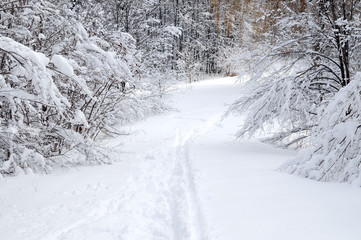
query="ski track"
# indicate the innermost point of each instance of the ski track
(166, 179)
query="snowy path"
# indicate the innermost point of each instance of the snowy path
(181, 177)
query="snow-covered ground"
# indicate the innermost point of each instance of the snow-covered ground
(181, 176)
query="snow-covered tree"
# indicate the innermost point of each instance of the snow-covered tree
(296, 87)
(62, 85)
(334, 154)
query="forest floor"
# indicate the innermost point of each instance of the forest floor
(181, 176)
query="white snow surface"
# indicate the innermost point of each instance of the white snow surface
(181, 176)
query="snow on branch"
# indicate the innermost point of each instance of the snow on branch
(335, 152)
(33, 65)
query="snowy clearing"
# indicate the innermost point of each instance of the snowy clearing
(182, 176)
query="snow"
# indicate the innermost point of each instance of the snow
(175, 31)
(80, 118)
(62, 65)
(34, 67)
(41, 36)
(181, 176)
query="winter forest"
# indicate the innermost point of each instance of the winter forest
(73, 70)
(180, 119)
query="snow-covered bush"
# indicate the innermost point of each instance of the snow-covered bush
(32, 108)
(61, 86)
(335, 150)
